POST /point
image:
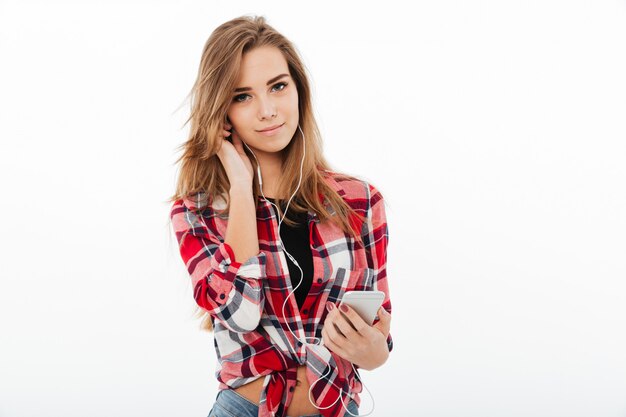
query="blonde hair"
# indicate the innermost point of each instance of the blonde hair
(201, 170)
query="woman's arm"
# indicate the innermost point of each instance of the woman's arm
(241, 233)
(229, 290)
(345, 333)
(376, 240)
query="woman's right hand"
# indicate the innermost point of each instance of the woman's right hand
(234, 159)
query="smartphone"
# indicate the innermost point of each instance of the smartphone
(365, 303)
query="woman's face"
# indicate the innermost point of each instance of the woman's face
(265, 96)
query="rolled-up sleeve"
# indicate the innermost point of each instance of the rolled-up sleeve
(230, 291)
(375, 240)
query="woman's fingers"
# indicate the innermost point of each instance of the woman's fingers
(345, 327)
(230, 161)
(332, 334)
(328, 342)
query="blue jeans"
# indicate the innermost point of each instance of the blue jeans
(228, 403)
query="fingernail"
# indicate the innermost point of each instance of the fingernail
(329, 306)
(344, 308)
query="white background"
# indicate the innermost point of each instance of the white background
(495, 130)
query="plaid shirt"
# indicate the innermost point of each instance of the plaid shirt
(245, 300)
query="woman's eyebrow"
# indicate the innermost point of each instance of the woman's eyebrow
(240, 89)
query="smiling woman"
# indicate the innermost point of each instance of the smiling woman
(268, 293)
(268, 109)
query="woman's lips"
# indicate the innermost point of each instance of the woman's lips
(271, 132)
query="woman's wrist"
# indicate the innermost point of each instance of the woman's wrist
(240, 188)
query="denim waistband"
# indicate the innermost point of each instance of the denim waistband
(238, 406)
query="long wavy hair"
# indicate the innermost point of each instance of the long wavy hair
(200, 169)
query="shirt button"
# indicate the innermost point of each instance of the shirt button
(222, 296)
(291, 389)
(319, 280)
(305, 311)
(299, 343)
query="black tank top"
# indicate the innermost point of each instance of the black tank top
(296, 242)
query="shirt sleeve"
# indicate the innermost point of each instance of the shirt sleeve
(229, 290)
(375, 240)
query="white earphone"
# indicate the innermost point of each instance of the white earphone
(317, 341)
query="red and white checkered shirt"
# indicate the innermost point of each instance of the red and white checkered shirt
(245, 300)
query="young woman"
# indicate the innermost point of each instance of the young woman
(268, 284)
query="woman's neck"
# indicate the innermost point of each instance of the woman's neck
(271, 170)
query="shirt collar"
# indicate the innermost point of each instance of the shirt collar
(199, 200)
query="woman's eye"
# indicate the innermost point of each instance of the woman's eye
(283, 84)
(243, 96)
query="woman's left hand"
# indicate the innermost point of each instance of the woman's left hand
(346, 334)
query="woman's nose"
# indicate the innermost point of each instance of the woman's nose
(267, 109)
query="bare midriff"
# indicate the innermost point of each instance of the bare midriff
(300, 403)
